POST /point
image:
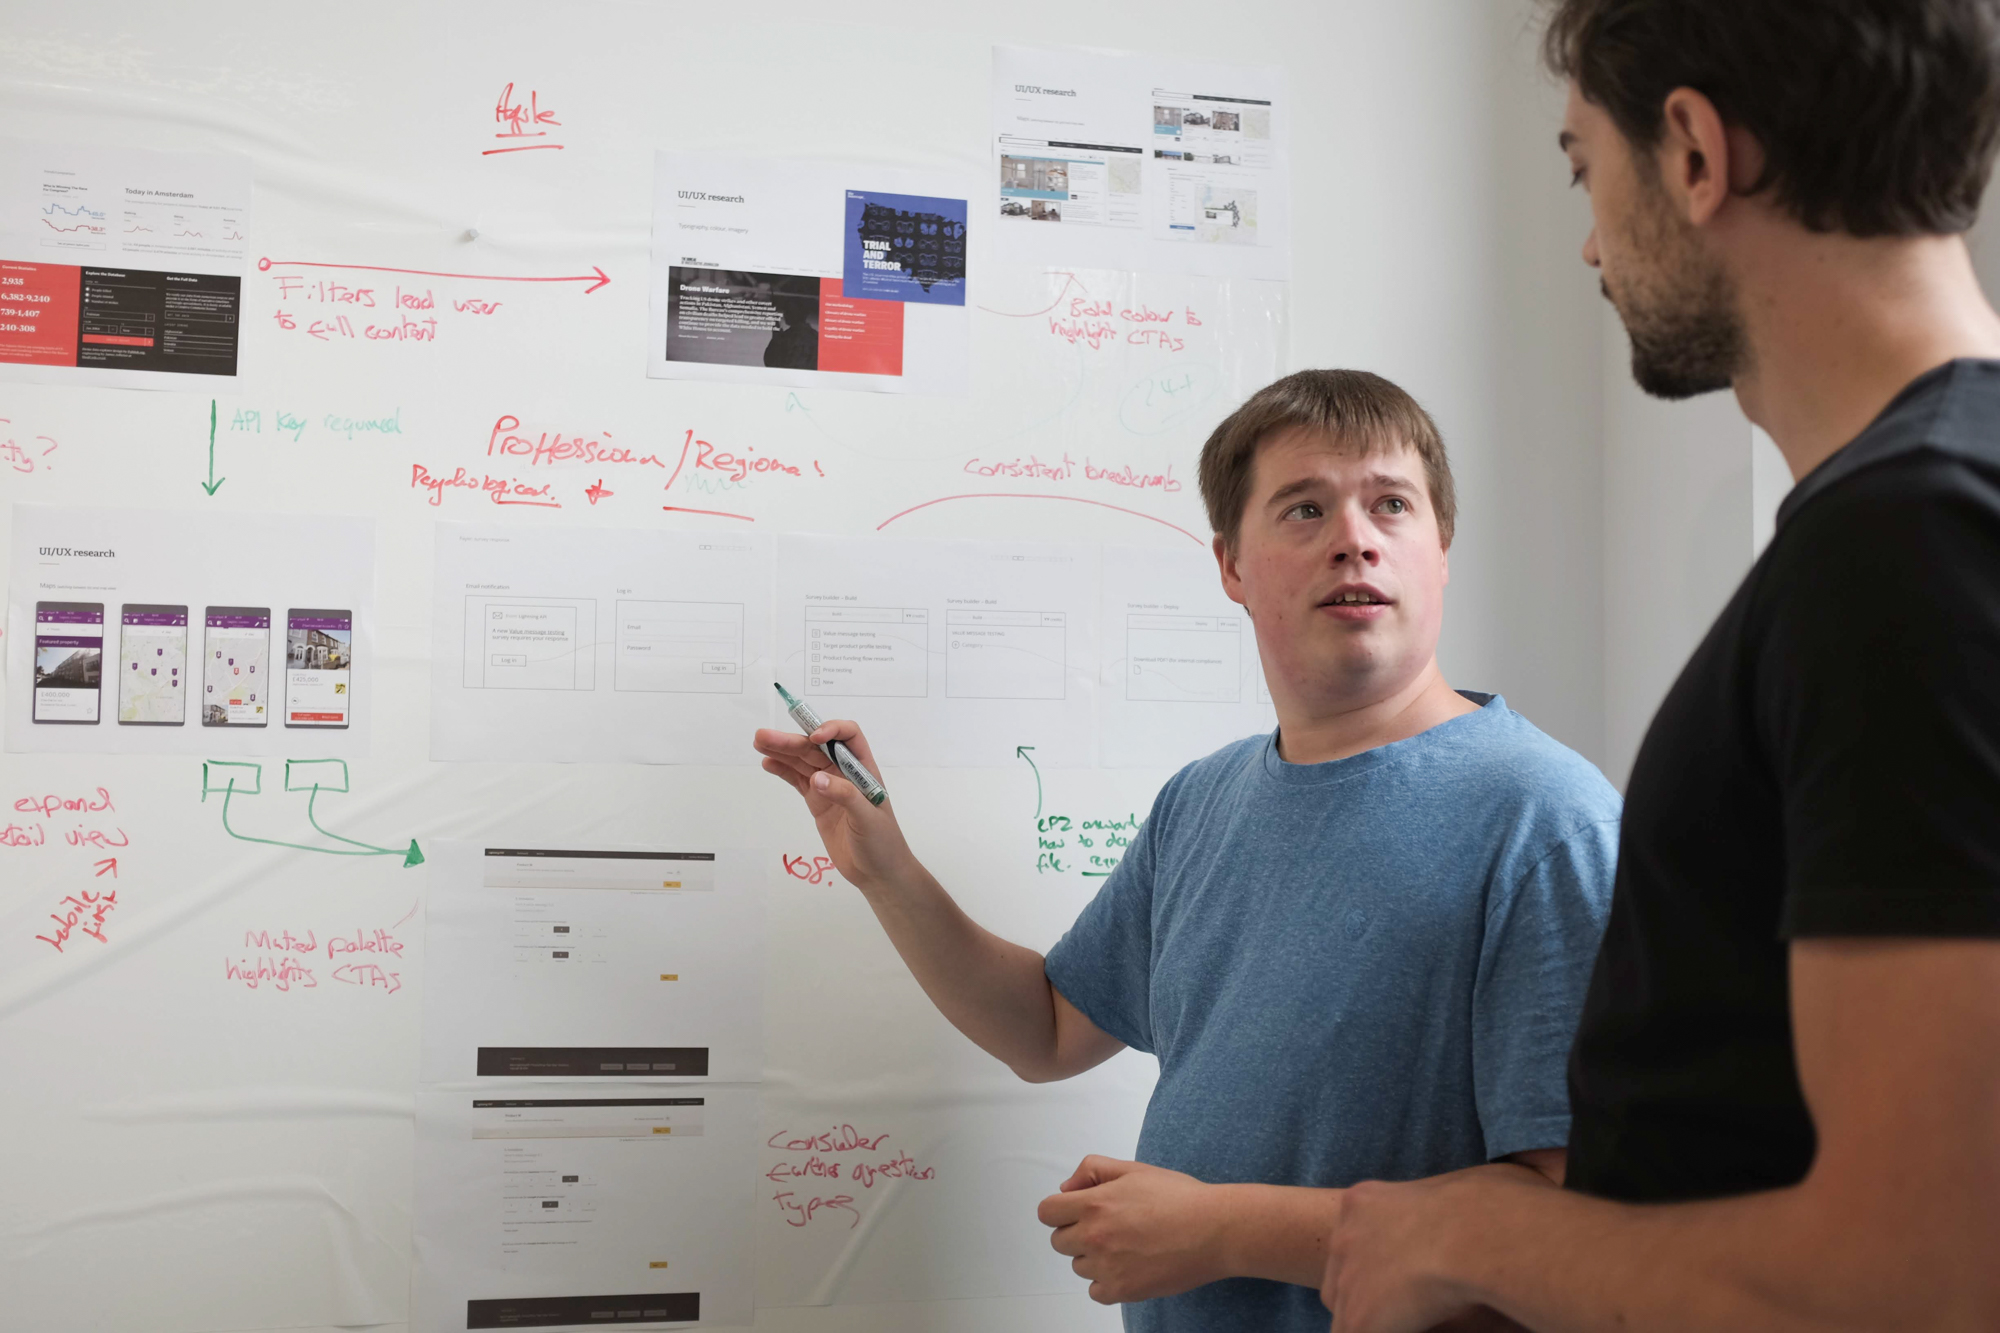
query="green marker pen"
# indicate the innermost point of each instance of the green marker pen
(843, 758)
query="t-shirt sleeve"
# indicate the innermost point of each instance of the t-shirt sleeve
(1541, 940)
(1104, 963)
(1879, 695)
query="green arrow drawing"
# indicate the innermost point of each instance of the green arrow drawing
(412, 857)
(1021, 752)
(214, 482)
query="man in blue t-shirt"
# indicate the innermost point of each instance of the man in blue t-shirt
(1357, 946)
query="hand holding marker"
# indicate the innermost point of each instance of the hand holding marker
(843, 758)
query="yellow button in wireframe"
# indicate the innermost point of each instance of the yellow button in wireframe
(670, 976)
(670, 884)
(663, 1129)
(657, 1263)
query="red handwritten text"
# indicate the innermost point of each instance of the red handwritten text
(507, 440)
(823, 1162)
(500, 490)
(811, 869)
(281, 973)
(82, 912)
(523, 121)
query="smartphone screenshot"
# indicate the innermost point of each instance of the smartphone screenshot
(236, 667)
(319, 667)
(69, 661)
(152, 665)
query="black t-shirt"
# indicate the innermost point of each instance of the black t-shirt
(1828, 764)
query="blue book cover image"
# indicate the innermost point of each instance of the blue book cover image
(904, 247)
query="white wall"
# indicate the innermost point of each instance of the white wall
(1434, 244)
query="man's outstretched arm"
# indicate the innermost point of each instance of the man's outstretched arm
(995, 992)
(1136, 1231)
(1896, 1226)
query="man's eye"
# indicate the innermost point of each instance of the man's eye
(1303, 509)
(1400, 505)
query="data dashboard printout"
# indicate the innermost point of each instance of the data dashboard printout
(151, 631)
(809, 272)
(121, 267)
(1181, 672)
(1141, 163)
(614, 964)
(949, 654)
(568, 1205)
(599, 645)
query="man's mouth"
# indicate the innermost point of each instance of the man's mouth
(1356, 601)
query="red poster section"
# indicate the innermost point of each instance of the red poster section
(38, 311)
(859, 337)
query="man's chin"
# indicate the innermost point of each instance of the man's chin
(1664, 379)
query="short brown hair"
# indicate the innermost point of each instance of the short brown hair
(1352, 406)
(1877, 117)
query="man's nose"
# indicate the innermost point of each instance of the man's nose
(1354, 541)
(1590, 248)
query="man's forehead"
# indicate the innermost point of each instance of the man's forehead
(1297, 451)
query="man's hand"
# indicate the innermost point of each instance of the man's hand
(1381, 1269)
(864, 840)
(1136, 1231)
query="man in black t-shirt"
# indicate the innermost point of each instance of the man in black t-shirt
(1786, 1081)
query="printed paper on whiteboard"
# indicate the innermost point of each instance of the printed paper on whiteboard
(615, 963)
(753, 284)
(163, 632)
(1181, 673)
(121, 267)
(599, 644)
(1140, 162)
(950, 654)
(559, 1205)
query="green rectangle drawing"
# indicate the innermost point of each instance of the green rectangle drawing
(222, 776)
(325, 774)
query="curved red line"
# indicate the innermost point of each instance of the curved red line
(524, 148)
(718, 513)
(1037, 314)
(1030, 495)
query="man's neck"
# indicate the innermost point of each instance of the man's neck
(1320, 732)
(1838, 327)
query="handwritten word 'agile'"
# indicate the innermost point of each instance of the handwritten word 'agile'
(1100, 324)
(842, 1153)
(25, 458)
(82, 912)
(1034, 468)
(508, 440)
(524, 120)
(811, 869)
(500, 490)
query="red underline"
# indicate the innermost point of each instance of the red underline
(524, 148)
(718, 513)
(539, 504)
(1019, 495)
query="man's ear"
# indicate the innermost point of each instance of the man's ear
(1225, 563)
(1694, 155)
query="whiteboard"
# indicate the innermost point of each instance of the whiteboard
(206, 1144)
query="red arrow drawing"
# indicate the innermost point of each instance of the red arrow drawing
(1037, 314)
(599, 275)
(109, 863)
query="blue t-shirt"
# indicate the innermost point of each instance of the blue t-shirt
(1368, 969)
